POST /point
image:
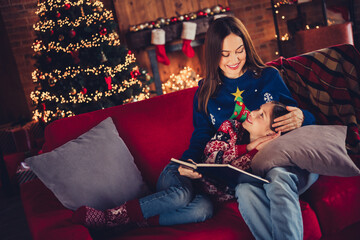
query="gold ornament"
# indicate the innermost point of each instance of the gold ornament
(141, 26)
(216, 9)
(99, 9)
(73, 91)
(207, 10)
(193, 16)
(147, 77)
(161, 21)
(60, 114)
(181, 18)
(134, 29)
(52, 81)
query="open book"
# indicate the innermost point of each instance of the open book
(223, 173)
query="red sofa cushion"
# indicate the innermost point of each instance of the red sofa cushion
(335, 201)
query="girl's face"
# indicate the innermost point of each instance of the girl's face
(233, 56)
(258, 121)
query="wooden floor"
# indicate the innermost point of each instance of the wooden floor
(13, 224)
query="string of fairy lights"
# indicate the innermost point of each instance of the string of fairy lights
(96, 41)
(75, 71)
(45, 99)
(50, 5)
(38, 96)
(44, 26)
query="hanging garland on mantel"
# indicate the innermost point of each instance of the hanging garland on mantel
(162, 22)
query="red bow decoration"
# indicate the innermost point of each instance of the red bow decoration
(135, 74)
(84, 91)
(108, 82)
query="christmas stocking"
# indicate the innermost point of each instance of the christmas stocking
(124, 215)
(188, 34)
(158, 39)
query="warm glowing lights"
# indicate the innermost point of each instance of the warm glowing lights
(74, 71)
(50, 5)
(96, 41)
(187, 78)
(59, 89)
(78, 98)
(44, 26)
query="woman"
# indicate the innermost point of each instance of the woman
(237, 81)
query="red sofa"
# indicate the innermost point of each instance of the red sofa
(160, 128)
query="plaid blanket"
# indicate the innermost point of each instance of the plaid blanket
(326, 82)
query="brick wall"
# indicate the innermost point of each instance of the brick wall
(258, 19)
(19, 16)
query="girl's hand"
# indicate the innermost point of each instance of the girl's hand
(188, 172)
(264, 143)
(294, 119)
(261, 142)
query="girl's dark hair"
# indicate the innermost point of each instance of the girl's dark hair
(217, 32)
(278, 111)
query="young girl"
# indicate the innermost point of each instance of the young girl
(236, 142)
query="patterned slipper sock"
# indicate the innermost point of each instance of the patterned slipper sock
(89, 217)
(129, 212)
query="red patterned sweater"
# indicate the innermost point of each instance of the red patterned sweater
(228, 146)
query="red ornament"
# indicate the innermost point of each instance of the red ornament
(103, 31)
(187, 18)
(67, 6)
(51, 32)
(200, 14)
(227, 9)
(135, 74)
(108, 82)
(58, 15)
(129, 52)
(48, 59)
(72, 33)
(84, 91)
(173, 19)
(43, 106)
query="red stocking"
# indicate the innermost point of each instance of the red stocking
(158, 39)
(188, 34)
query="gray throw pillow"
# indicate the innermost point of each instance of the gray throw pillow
(316, 148)
(96, 169)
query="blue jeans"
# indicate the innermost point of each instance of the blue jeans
(272, 211)
(175, 200)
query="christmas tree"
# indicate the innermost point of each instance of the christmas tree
(80, 64)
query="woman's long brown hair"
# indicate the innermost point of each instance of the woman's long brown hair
(215, 36)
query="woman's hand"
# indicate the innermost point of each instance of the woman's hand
(188, 172)
(294, 119)
(261, 142)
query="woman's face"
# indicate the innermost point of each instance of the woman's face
(233, 56)
(258, 121)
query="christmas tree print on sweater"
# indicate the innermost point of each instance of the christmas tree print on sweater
(240, 111)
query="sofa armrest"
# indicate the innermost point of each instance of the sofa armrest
(8, 166)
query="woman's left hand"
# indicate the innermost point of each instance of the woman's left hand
(290, 121)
